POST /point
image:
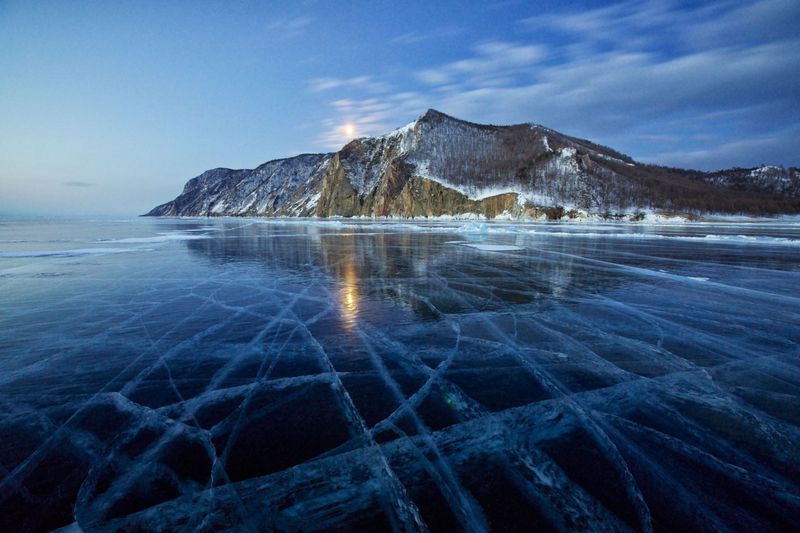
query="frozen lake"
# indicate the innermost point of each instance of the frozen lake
(207, 374)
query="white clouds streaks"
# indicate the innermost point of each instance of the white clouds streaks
(288, 27)
(490, 60)
(635, 75)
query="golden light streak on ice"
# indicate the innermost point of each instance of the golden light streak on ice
(348, 296)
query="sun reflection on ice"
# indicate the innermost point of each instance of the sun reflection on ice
(348, 296)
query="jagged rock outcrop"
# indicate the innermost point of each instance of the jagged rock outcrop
(439, 165)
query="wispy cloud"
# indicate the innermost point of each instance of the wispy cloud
(490, 61)
(417, 37)
(365, 82)
(768, 149)
(624, 24)
(634, 23)
(289, 27)
(714, 75)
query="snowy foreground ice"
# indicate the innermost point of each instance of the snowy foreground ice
(168, 374)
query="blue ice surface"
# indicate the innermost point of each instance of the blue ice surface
(212, 374)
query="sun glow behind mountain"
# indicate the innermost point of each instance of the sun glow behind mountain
(349, 131)
(673, 83)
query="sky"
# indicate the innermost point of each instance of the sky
(110, 107)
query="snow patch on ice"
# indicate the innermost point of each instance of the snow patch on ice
(493, 247)
(487, 247)
(162, 237)
(751, 239)
(726, 239)
(473, 227)
(67, 253)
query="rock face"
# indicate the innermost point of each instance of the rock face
(439, 165)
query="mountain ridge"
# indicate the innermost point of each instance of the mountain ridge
(441, 165)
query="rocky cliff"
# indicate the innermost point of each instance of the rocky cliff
(439, 165)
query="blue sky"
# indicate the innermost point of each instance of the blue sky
(109, 107)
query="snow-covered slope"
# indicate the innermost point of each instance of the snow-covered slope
(541, 165)
(769, 178)
(266, 190)
(440, 165)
